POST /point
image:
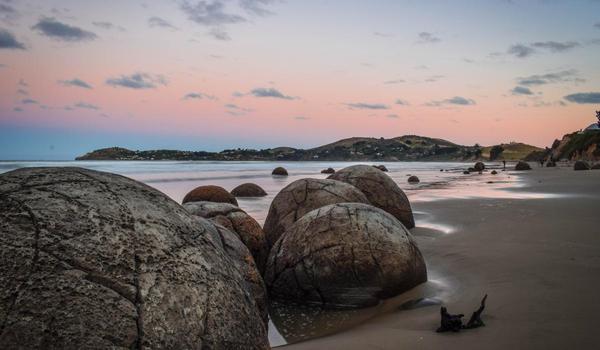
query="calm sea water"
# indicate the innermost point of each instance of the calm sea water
(291, 324)
(176, 178)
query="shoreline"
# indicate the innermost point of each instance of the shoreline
(541, 275)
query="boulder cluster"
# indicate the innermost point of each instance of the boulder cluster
(97, 260)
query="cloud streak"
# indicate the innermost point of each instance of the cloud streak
(584, 98)
(523, 51)
(520, 90)
(428, 38)
(63, 32)
(570, 75)
(362, 105)
(456, 100)
(76, 83)
(157, 22)
(9, 41)
(137, 81)
(270, 92)
(209, 13)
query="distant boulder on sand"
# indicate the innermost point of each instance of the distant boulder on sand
(98, 260)
(581, 165)
(522, 166)
(494, 172)
(303, 196)
(248, 190)
(379, 189)
(237, 221)
(344, 255)
(413, 179)
(280, 171)
(210, 193)
(479, 166)
(466, 172)
(328, 171)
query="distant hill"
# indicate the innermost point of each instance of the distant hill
(403, 148)
(512, 151)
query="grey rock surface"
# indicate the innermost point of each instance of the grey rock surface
(237, 221)
(344, 255)
(302, 196)
(379, 189)
(97, 260)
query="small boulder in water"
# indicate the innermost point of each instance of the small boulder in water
(581, 165)
(280, 171)
(521, 165)
(479, 166)
(328, 171)
(248, 190)
(210, 193)
(466, 172)
(413, 180)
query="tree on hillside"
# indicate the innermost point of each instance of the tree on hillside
(495, 152)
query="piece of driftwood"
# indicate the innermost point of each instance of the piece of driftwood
(454, 323)
(475, 321)
(450, 323)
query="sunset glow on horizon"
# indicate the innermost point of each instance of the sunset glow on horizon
(210, 75)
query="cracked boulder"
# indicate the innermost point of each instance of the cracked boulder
(344, 255)
(302, 196)
(379, 189)
(244, 263)
(237, 221)
(210, 193)
(96, 260)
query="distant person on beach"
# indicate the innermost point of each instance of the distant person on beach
(504, 164)
(542, 163)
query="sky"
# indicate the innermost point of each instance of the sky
(211, 75)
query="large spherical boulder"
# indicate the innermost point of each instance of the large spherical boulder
(379, 189)
(210, 193)
(243, 261)
(96, 260)
(479, 166)
(237, 221)
(413, 179)
(248, 190)
(328, 171)
(522, 166)
(279, 171)
(344, 255)
(581, 165)
(302, 196)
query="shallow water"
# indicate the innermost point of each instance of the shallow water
(292, 323)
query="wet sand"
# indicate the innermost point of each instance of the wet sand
(537, 258)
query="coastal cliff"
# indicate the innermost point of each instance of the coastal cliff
(403, 148)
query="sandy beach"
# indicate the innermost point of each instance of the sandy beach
(537, 258)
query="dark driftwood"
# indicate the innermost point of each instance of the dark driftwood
(475, 321)
(450, 322)
(454, 323)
